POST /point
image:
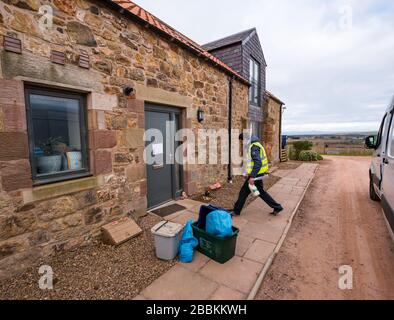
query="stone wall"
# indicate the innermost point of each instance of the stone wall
(38, 221)
(272, 129)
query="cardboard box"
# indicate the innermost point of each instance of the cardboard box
(120, 231)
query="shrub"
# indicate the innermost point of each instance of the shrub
(308, 155)
(301, 146)
(292, 153)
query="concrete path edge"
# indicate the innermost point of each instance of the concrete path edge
(268, 264)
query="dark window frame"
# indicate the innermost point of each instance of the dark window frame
(379, 137)
(64, 175)
(390, 133)
(255, 82)
(259, 128)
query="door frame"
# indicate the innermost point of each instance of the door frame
(173, 112)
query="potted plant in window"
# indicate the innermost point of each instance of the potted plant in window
(51, 161)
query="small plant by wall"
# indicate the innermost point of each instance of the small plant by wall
(308, 155)
(296, 147)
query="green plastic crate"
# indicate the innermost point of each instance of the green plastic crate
(219, 249)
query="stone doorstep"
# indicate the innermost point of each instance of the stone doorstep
(185, 217)
(190, 204)
(175, 215)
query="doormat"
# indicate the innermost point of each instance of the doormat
(166, 211)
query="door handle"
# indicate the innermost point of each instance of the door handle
(386, 161)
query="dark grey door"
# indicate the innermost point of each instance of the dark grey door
(163, 174)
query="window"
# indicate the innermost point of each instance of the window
(57, 134)
(255, 128)
(390, 144)
(382, 132)
(254, 78)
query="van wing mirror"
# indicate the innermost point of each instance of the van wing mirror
(370, 142)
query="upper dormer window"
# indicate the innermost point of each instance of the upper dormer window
(254, 78)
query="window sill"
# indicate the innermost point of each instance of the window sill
(254, 105)
(62, 188)
(62, 178)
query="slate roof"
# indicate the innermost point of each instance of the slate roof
(235, 38)
(158, 25)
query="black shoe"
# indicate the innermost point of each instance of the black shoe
(277, 211)
(233, 213)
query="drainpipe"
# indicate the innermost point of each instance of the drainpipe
(280, 132)
(230, 124)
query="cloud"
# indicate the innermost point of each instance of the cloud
(332, 62)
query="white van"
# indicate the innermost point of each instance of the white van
(381, 173)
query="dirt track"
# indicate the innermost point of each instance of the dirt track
(336, 225)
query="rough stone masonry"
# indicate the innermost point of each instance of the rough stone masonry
(36, 221)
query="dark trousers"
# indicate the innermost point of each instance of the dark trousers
(245, 192)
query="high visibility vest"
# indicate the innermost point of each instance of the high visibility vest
(263, 156)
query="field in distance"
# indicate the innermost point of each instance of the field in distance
(349, 144)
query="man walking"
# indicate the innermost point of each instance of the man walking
(257, 167)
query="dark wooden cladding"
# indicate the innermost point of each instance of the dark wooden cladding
(12, 44)
(236, 51)
(84, 60)
(58, 57)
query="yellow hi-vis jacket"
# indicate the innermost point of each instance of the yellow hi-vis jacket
(263, 157)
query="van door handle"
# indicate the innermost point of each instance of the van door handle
(386, 161)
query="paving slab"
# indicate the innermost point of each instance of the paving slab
(238, 274)
(282, 173)
(199, 261)
(239, 222)
(289, 181)
(260, 251)
(180, 284)
(244, 242)
(185, 217)
(257, 214)
(225, 293)
(263, 232)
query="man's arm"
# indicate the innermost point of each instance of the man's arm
(257, 162)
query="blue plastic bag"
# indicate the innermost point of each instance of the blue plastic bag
(219, 223)
(187, 244)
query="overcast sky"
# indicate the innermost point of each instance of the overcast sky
(332, 62)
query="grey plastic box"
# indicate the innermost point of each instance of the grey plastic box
(167, 238)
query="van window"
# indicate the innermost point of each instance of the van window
(382, 132)
(390, 143)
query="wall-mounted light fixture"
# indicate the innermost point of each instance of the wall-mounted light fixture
(128, 91)
(200, 115)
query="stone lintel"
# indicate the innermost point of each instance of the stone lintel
(157, 95)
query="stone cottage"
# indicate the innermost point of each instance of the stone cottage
(243, 52)
(80, 81)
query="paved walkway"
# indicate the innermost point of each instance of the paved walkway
(205, 279)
